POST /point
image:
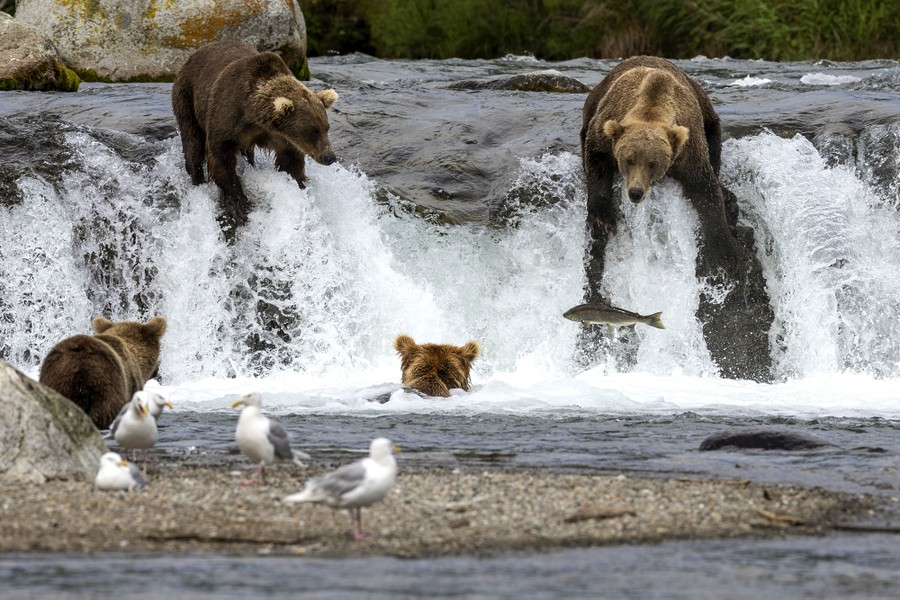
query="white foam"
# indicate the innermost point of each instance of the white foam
(826, 79)
(751, 81)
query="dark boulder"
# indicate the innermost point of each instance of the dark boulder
(763, 439)
(536, 81)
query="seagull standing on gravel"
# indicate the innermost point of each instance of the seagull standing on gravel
(117, 474)
(134, 428)
(358, 484)
(262, 439)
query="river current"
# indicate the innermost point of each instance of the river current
(455, 215)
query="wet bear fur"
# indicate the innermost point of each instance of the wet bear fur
(229, 98)
(435, 369)
(647, 119)
(101, 372)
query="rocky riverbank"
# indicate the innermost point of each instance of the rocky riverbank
(430, 512)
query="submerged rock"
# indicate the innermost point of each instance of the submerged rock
(763, 439)
(537, 81)
(43, 435)
(29, 60)
(126, 40)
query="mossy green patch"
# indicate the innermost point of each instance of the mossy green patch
(67, 78)
(58, 78)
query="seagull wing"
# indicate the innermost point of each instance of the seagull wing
(278, 437)
(118, 419)
(343, 480)
(137, 476)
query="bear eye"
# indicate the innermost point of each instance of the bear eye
(629, 162)
(652, 166)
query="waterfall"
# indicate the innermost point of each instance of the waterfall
(322, 279)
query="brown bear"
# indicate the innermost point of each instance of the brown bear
(435, 369)
(648, 119)
(101, 372)
(229, 98)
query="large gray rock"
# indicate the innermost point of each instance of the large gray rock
(42, 434)
(29, 61)
(123, 40)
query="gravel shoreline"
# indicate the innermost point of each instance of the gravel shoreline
(429, 512)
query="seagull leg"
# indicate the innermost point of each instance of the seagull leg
(260, 473)
(356, 517)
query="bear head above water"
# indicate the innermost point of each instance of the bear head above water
(435, 369)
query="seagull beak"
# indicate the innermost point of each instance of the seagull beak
(143, 410)
(170, 405)
(396, 450)
(236, 403)
(123, 463)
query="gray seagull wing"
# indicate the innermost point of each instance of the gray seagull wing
(343, 480)
(137, 476)
(118, 419)
(278, 437)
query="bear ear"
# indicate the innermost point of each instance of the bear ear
(156, 326)
(282, 107)
(404, 344)
(101, 324)
(328, 97)
(613, 129)
(471, 350)
(678, 137)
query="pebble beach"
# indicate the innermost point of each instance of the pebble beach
(430, 512)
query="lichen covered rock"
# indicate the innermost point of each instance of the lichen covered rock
(29, 60)
(131, 40)
(43, 435)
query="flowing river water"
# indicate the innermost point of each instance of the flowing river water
(459, 214)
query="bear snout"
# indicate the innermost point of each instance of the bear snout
(328, 158)
(636, 194)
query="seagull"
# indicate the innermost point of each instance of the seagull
(134, 427)
(262, 439)
(355, 485)
(156, 403)
(117, 474)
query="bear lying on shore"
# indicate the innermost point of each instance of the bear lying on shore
(646, 119)
(228, 98)
(101, 372)
(435, 369)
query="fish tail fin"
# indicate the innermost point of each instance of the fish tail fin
(655, 320)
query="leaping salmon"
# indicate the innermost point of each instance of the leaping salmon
(612, 317)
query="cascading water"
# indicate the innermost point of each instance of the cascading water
(309, 298)
(322, 279)
(832, 248)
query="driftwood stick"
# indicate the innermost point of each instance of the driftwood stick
(797, 521)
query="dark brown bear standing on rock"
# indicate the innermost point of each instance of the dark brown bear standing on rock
(101, 372)
(229, 98)
(435, 369)
(646, 119)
